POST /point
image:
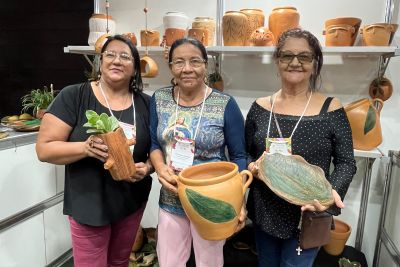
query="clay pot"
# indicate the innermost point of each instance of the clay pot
(148, 67)
(365, 123)
(100, 42)
(262, 37)
(120, 161)
(98, 27)
(377, 34)
(199, 34)
(212, 196)
(219, 85)
(282, 19)
(173, 34)
(177, 20)
(235, 28)
(339, 35)
(131, 36)
(149, 38)
(339, 238)
(205, 23)
(381, 88)
(352, 21)
(256, 20)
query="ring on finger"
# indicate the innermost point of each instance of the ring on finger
(91, 142)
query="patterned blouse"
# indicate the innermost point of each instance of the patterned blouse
(320, 140)
(221, 126)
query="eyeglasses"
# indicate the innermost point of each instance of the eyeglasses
(111, 56)
(303, 57)
(193, 62)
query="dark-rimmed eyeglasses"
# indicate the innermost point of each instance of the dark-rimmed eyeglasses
(193, 62)
(303, 57)
(111, 56)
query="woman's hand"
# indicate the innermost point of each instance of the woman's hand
(316, 206)
(253, 166)
(142, 170)
(242, 219)
(166, 178)
(95, 147)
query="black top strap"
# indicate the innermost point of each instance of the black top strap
(325, 106)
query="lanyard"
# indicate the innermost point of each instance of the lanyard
(108, 105)
(295, 127)
(201, 113)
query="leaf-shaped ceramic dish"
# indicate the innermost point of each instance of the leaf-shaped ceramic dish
(295, 180)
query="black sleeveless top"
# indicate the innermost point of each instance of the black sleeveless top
(319, 139)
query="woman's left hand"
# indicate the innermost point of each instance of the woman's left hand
(242, 219)
(142, 170)
(316, 206)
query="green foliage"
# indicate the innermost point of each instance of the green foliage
(37, 99)
(214, 210)
(100, 124)
(214, 77)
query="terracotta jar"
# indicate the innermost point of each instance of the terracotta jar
(120, 161)
(149, 38)
(212, 196)
(262, 37)
(376, 34)
(339, 35)
(206, 23)
(173, 34)
(175, 19)
(199, 34)
(282, 19)
(339, 237)
(256, 20)
(100, 42)
(365, 123)
(351, 21)
(381, 88)
(98, 27)
(235, 28)
(131, 36)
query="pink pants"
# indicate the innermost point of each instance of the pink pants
(103, 246)
(174, 242)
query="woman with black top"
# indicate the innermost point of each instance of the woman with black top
(104, 214)
(313, 126)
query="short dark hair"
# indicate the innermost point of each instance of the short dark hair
(315, 47)
(191, 41)
(136, 83)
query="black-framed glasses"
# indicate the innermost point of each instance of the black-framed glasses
(303, 57)
(112, 55)
(193, 62)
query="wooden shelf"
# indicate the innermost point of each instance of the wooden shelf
(374, 153)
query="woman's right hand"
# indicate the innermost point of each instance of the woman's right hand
(254, 166)
(95, 147)
(166, 177)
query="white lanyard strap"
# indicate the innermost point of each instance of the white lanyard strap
(297, 124)
(201, 113)
(108, 105)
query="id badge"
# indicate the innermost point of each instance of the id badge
(182, 154)
(129, 131)
(278, 145)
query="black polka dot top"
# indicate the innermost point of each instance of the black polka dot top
(320, 140)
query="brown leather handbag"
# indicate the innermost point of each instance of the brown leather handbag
(315, 229)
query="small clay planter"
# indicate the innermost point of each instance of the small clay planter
(262, 37)
(377, 34)
(352, 21)
(120, 160)
(339, 35)
(381, 88)
(131, 36)
(339, 238)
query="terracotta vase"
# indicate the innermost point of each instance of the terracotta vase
(339, 237)
(256, 20)
(148, 67)
(381, 88)
(149, 38)
(98, 26)
(351, 21)
(131, 36)
(206, 23)
(365, 123)
(282, 19)
(262, 37)
(339, 35)
(212, 196)
(175, 19)
(173, 34)
(376, 34)
(199, 34)
(235, 28)
(120, 161)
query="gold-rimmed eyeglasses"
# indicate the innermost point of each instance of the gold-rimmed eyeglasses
(193, 62)
(112, 55)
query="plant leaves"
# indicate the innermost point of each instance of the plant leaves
(214, 210)
(114, 124)
(104, 119)
(370, 121)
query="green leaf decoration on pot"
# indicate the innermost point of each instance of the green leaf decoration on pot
(370, 120)
(295, 180)
(214, 210)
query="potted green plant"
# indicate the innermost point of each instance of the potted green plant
(38, 100)
(215, 79)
